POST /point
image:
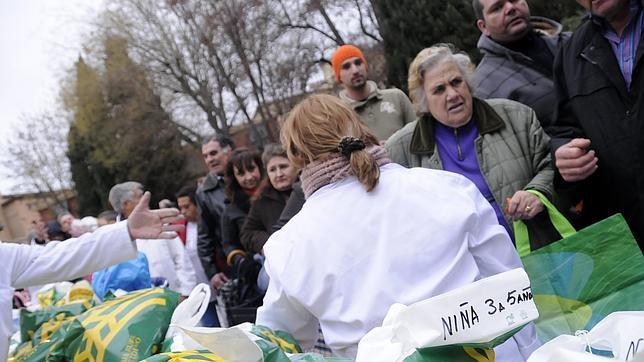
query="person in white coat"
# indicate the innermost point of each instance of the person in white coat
(167, 259)
(371, 234)
(26, 265)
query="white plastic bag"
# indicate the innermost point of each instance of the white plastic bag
(234, 344)
(621, 333)
(189, 312)
(476, 313)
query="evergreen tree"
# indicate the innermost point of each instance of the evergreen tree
(408, 26)
(120, 132)
(146, 146)
(568, 13)
(85, 142)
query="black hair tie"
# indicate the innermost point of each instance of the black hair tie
(350, 144)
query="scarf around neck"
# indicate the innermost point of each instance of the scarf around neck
(333, 169)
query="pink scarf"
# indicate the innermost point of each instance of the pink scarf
(333, 169)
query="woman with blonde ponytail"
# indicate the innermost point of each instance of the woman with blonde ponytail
(371, 233)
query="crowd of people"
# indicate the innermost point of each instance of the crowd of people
(373, 198)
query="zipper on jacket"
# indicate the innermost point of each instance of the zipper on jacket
(458, 145)
(583, 55)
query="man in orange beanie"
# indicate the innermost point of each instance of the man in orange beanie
(384, 110)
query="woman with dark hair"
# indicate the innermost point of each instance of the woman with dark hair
(243, 176)
(268, 206)
(371, 234)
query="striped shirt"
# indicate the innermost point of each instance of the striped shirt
(625, 46)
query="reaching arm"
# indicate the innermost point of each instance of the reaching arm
(73, 258)
(111, 244)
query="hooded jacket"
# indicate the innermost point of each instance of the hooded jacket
(504, 73)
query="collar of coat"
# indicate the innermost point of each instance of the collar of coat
(269, 192)
(423, 141)
(548, 29)
(374, 92)
(211, 182)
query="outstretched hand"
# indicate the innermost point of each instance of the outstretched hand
(144, 223)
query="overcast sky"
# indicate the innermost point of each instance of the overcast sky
(39, 40)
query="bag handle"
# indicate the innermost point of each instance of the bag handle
(561, 224)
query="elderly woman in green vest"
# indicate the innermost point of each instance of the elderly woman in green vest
(498, 143)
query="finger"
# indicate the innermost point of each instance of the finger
(144, 203)
(164, 213)
(582, 143)
(172, 219)
(167, 235)
(522, 208)
(172, 227)
(580, 160)
(517, 203)
(512, 205)
(571, 150)
(579, 173)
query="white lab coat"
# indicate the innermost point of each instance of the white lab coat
(348, 255)
(25, 265)
(168, 259)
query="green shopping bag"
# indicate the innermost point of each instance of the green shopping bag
(583, 277)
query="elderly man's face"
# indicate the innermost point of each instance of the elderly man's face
(448, 96)
(65, 222)
(129, 205)
(505, 20)
(215, 157)
(607, 9)
(353, 73)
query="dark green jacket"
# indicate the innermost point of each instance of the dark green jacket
(513, 151)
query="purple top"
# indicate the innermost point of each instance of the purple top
(457, 151)
(625, 46)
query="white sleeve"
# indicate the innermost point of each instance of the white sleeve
(490, 243)
(281, 312)
(72, 258)
(183, 267)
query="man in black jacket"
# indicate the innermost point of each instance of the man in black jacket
(598, 134)
(210, 200)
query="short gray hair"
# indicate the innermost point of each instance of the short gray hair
(123, 192)
(426, 60)
(222, 140)
(272, 150)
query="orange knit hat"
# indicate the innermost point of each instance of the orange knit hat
(343, 53)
